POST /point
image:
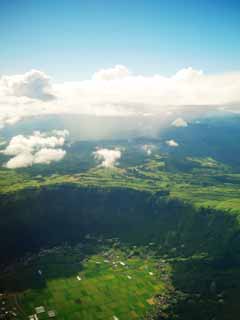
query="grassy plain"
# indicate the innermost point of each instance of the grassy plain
(206, 184)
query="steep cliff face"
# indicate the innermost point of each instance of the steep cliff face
(32, 219)
(201, 245)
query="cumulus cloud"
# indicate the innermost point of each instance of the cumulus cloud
(188, 74)
(108, 157)
(37, 148)
(33, 84)
(148, 148)
(130, 94)
(21, 160)
(118, 92)
(172, 143)
(179, 122)
(117, 72)
(47, 155)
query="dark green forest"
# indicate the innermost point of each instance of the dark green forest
(202, 245)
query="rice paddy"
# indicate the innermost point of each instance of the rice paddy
(67, 285)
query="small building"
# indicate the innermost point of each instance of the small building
(51, 313)
(40, 309)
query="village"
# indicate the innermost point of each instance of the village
(104, 259)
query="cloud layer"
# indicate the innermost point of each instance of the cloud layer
(35, 149)
(117, 92)
(108, 157)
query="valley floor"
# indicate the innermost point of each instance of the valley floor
(89, 282)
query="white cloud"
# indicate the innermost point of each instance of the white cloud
(148, 148)
(33, 84)
(21, 160)
(48, 155)
(152, 95)
(117, 72)
(108, 157)
(61, 133)
(179, 122)
(117, 92)
(37, 148)
(38, 140)
(8, 120)
(172, 143)
(188, 74)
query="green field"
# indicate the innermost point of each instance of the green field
(106, 285)
(188, 207)
(207, 184)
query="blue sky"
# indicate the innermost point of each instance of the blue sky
(72, 39)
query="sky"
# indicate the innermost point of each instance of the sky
(157, 61)
(105, 58)
(71, 39)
